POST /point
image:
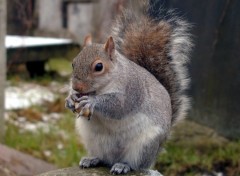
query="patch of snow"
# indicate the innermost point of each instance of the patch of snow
(45, 118)
(22, 123)
(60, 146)
(56, 87)
(55, 116)
(21, 119)
(30, 127)
(51, 117)
(47, 153)
(45, 127)
(24, 97)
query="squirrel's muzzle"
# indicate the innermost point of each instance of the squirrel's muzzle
(80, 87)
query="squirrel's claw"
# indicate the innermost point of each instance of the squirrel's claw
(85, 112)
(82, 98)
(74, 97)
(69, 103)
(81, 104)
(89, 162)
(87, 106)
(120, 168)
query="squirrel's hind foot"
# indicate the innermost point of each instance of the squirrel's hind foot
(87, 162)
(120, 168)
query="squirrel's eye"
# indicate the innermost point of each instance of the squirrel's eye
(98, 67)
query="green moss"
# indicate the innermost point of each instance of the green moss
(37, 143)
(60, 65)
(197, 149)
(57, 69)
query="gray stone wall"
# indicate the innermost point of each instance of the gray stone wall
(50, 15)
(79, 19)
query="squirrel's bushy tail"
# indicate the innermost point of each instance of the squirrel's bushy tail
(161, 44)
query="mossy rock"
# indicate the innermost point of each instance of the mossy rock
(95, 172)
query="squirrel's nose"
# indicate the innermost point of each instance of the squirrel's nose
(79, 87)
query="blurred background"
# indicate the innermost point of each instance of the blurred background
(39, 39)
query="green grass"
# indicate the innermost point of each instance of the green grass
(184, 154)
(59, 65)
(195, 149)
(36, 143)
(54, 67)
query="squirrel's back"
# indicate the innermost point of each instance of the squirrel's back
(161, 45)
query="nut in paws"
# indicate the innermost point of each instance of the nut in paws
(85, 107)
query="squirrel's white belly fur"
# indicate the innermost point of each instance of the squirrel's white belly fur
(118, 140)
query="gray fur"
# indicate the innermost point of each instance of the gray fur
(131, 111)
(120, 168)
(87, 162)
(131, 118)
(174, 75)
(106, 103)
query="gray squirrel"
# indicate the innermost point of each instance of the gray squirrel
(130, 91)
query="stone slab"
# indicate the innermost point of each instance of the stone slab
(73, 171)
(13, 162)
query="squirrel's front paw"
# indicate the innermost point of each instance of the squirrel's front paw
(85, 106)
(70, 101)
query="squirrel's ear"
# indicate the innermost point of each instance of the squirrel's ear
(109, 47)
(88, 40)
